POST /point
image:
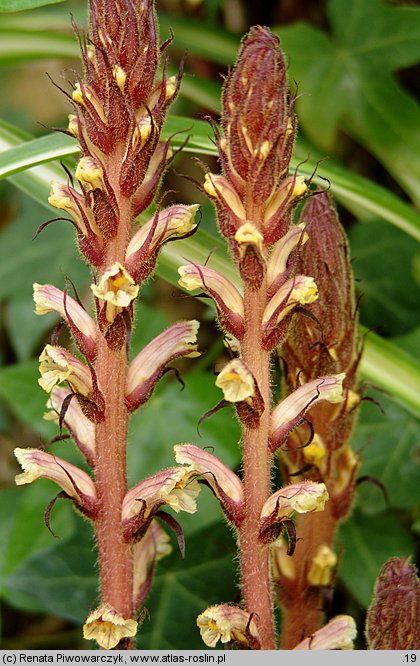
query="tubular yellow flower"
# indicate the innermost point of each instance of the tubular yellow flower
(229, 624)
(282, 250)
(220, 189)
(321, 571)
(75, 482)
(300, 290)
(227, 298)
(178, 341)
(289, 411)
(300, 497)
(176, 486)
(117, 289)
(90, 173)
(57, 365)
(224, 483)
(236, 381)
(108, 628)
(338, 634)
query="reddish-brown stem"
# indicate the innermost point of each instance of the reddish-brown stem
(302, 606)
(115, 556)
(254, 556)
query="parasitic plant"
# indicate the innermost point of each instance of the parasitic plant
(255, 198)
(119, 109)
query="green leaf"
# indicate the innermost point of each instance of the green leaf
(184, 589)
(61, 579)
(367, 543)
(19, 389)
(19, 5)
(25, 330)
(46, 259)
(383, 265)
(215, 45)
(390, 452)
(23, 533)
(348, 84)
(392, 369)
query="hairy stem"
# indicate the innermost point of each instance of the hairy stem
(303, 610)
(111, 482)
(115, 556)
(254, 556)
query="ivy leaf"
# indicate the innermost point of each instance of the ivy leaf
(383, 263)
(390, 452)
(348, 81)
(61, 580)
(184, 589)
(367, 543)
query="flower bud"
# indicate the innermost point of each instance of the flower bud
(90, 174)
(393, 619)
(76, 484)
(50, 299)
(144, 371)
(227, 298)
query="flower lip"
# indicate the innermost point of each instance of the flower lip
(236, 381)
(338, 634)
(117, 288)
(229, 624)
(108, 628)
